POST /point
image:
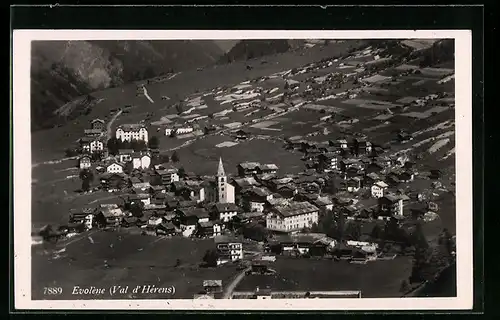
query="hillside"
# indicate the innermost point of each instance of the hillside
(249, 49)
(64, 70)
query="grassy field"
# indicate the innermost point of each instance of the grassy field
(375, 279)
(104, 259)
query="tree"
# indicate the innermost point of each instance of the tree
(175, 157)
(70, 152)
(137, 209)
(210, 258)
(87, 177)
(164, 158)
(182, 172)
(113, 146)
(377, 232)
(173, 134)
(154, 142)
(353, 230)
(138, 145)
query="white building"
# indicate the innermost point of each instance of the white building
(292, 216)
(228, 249)
(84, 162)
(141, 160)
(225, 191)
(114, 167)
(379, 189)
(178, 130)
(125, 155)
(226, 211)
(129, 132)
(93, 146)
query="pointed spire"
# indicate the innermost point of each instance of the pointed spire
(220, 170)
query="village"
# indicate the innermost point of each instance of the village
(343, 186)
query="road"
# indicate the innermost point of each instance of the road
(110, 123)
(230, 288)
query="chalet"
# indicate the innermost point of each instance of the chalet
(241, 134)
(254, 199)
(364, 147)
(129, 132)
(209, 129)
(328, 161)
(140, 186)
(286, 190)
(200, 214)
(314, 244)
(145, 198)
(275, 184)
(391, 205)
(154, 220)
(225, 211)
(125, 155)
(241, 184)
(379, 189)
(404, 137)
(292, 216)
(305, 196)
(353, 171)
(109, 215)
(97, 124)
(212, 286)
(83, 216)
(267, 169)
(345, 164)
(113, 181)
(166, 229)
(115, 167)
(370, 179)
(247, 169)
(341, 144)
(128, 222)
(84, 162)
(324, 204)
(153, 190)
(228, 249)
(141, 160)
(91, 145)
(354, 184)
(209, 229)
(249, 217)
(168, 175)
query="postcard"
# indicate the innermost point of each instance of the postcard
(284, 170)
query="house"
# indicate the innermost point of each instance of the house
(154, 220)
(115, 167)
(166, 229)
(228, 249)
(125, 155)
(435, 174)
(248, 217)
(242, 184)
(292, 216)
(84, 162)
(153, 190)
(109, 215)
(91, 145)
(341, 144)
(328, 161)
(178, 129)
(374, 167)
(364, 147)
(195, 190)
(225, 211)
(324, 204)
(83, 216)
(379, 189)
(254, 199)
(145, 198)
(248, 169)
(354, 184)
(168, 175)
(128, 222)
(212, 286)
(391, 205)
(209, 229)
(92, 133)
(129, 132)
(370, 179)
(97, 124)
(141, 160)
(113, 181)
(240, 134)
(200, 214)
(270, 168)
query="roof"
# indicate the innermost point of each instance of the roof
(392, 197)
(225, 207)
(112, 212)
(249, 215)
(212, 283)
(114, 162)
(207, 224)
(244, 182)
(196, 212)
(296, 208)
(131, 127)
(381, 184)
(270, 166)
(97, 120)
(166, 171)
(85, 211)
(322, 201)
(227, 239)
(249, 165)
(125, 151)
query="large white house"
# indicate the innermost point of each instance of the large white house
(292, 216)
(91, 145)
(141, 160)
(228, 249)
(114, 167)
(379, 189)
(129, 132)
(179, 129)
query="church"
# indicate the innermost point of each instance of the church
(219, 190)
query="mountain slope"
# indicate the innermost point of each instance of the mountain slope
(64, 70)
(249, 49)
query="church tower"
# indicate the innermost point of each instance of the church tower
(221, 183)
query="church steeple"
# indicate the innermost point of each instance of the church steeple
(220, 170)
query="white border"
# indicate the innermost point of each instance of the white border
(22, 174)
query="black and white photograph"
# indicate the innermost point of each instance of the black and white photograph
(262, 167)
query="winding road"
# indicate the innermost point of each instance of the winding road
(228, 292)
(110, 123)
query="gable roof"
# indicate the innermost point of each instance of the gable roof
(226, 207)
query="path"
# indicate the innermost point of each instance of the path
(228, 292)
(110, 123)
(81, 236)
(147, 95)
